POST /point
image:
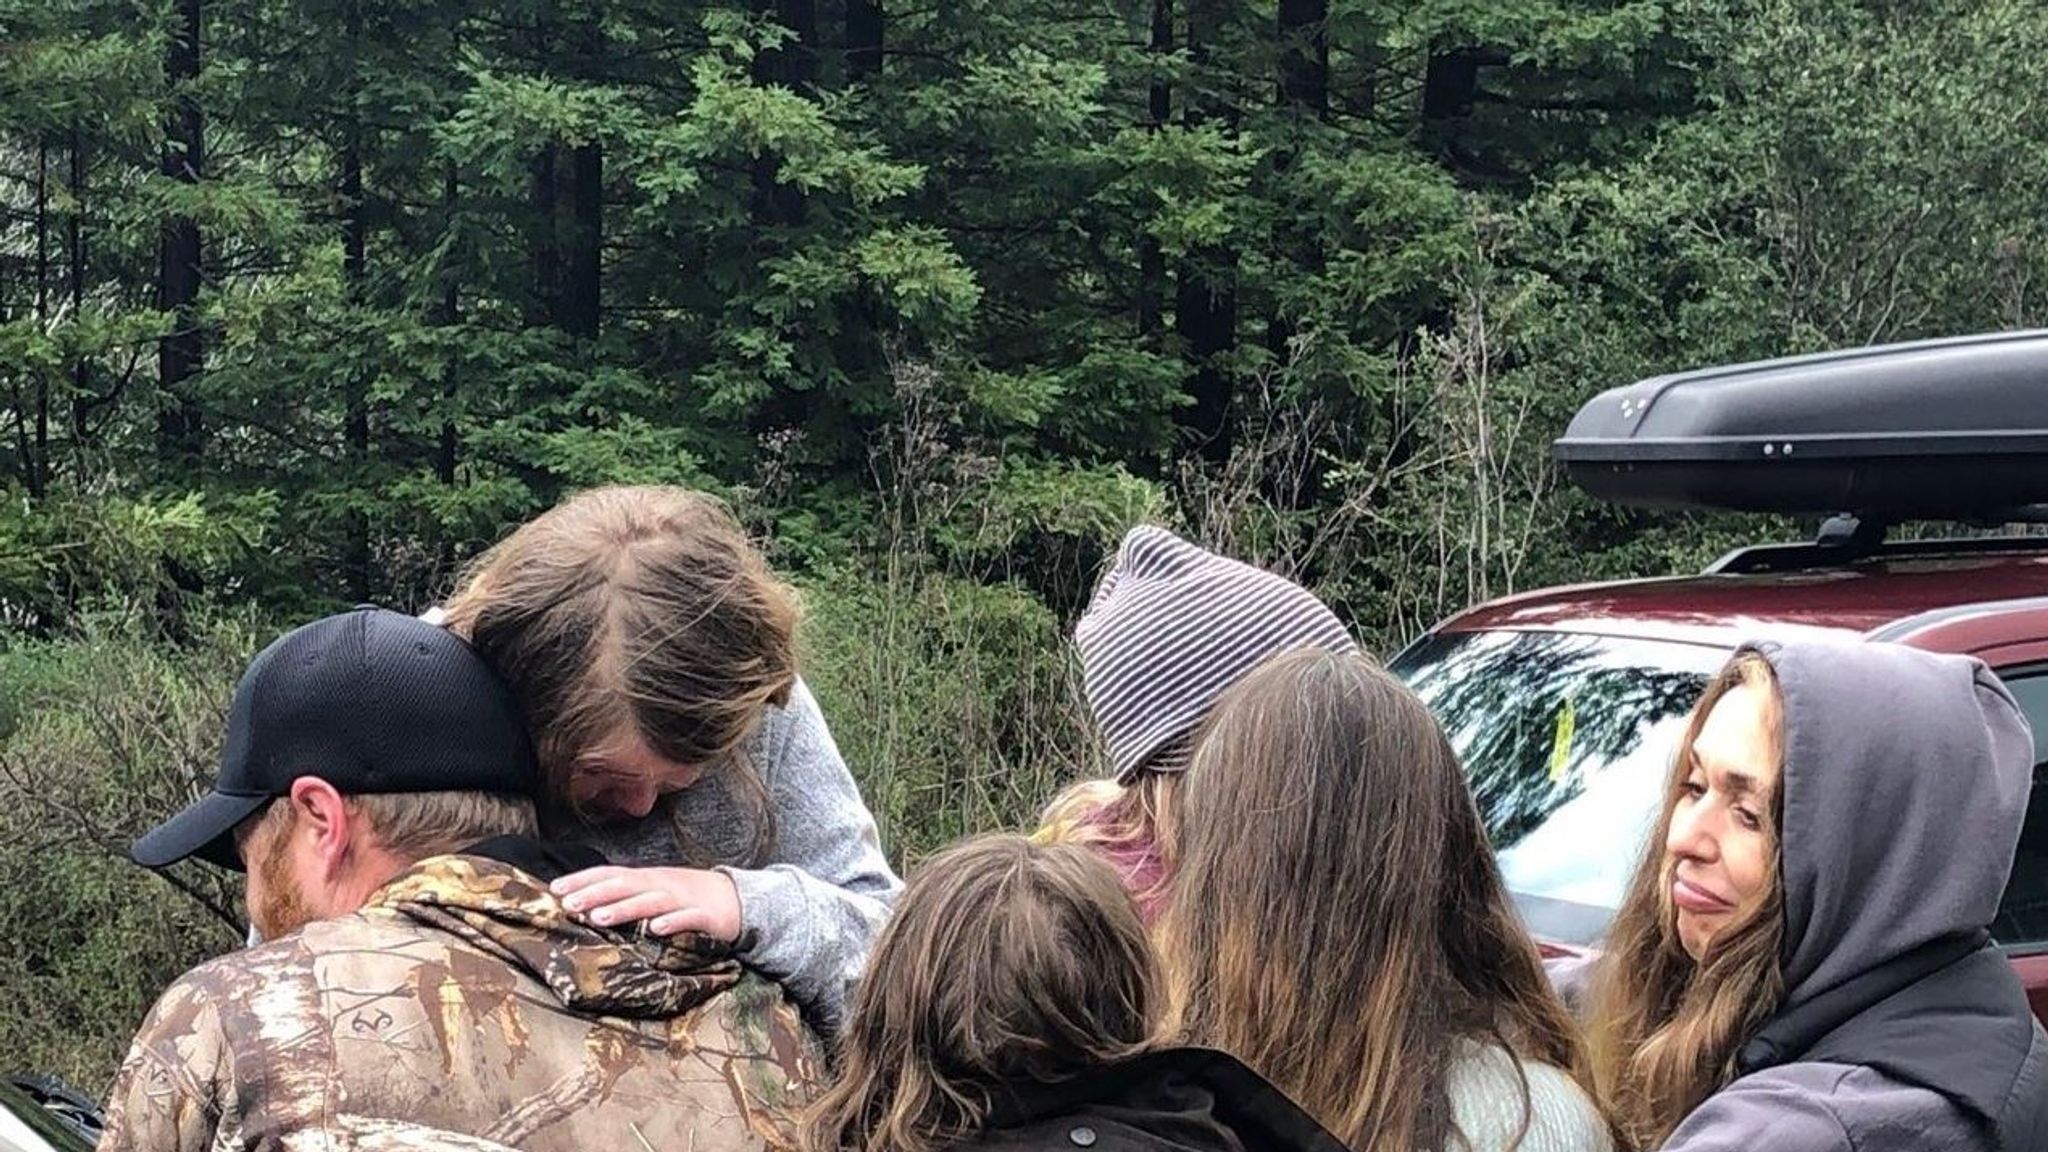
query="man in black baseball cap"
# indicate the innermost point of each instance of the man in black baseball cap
(369, 702)
(377, 786)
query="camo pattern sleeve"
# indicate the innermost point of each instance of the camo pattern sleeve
(174, 1088)
(463, 1000)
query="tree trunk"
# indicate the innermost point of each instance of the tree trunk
(1151, 263)
(581, 300)
(1206, 319)
(864, 26)
(579, 311)
(1449, 85)
(1205, 301)
(1302, 30)
(793, 66)
(546, 250)
(447, 459)
(1305, 55)
(35, 453)
(355, 274)
(796, 62)
(181, 355)
(777, 207)
(74, 246)
(448, 317)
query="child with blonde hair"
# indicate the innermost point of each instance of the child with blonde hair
(1171, 626)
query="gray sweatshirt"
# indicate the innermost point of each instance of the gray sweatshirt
(813, 908)
(1905, 783)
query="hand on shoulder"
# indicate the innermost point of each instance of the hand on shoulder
(669, 900)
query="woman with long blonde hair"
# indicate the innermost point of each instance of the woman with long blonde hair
(1011, 1004)
(1337, 922)
(1802, 960)
(1171, 626)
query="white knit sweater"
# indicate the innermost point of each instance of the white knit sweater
(1486, 1102)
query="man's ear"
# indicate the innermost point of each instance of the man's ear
(323, 816)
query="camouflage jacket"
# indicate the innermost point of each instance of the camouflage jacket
(463, 999)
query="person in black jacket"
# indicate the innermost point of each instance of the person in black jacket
(1011, 1004)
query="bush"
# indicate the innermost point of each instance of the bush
(955, 703)
(103, 735)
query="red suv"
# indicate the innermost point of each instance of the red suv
(1566, 703)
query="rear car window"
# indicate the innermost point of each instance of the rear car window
(1566, 739)
(2022, 924)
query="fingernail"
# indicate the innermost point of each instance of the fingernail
(602, 919)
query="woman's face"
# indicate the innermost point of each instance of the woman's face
(1717, 857)
(622, 777)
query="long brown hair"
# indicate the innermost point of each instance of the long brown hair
(635, 606)
(1006, 962)
(1666, 1028)
(1338, 921)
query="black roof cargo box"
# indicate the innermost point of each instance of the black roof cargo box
(1939, 429)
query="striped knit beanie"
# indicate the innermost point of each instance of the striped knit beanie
(1171, 626)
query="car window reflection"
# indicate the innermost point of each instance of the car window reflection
(1565, 739)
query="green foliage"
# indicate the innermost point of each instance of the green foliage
(996, 728)
(103, 735)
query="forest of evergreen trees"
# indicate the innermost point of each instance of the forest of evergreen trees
(302, 302)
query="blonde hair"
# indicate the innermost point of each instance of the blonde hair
(1006, 962)
(635, 607)
(1338, 921)
(1665, 1028)
(415, 825)
(1122, 821)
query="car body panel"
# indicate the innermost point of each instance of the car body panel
(27, 1126)
(1724, 609)
(2033, 972)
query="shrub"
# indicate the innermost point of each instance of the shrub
(103, 735)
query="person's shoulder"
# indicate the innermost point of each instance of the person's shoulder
(388, 931)
(1808, 1107)
(232, 975)
(800, 713)
(1183, 1099)
(1487, 1101)
(795, 754)
(776, 1059)
(797, 721)
(1562, 1113)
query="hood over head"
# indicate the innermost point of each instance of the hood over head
(595, 971)
(1905, 783)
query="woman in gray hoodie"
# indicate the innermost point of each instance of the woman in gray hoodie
(1802, 962)
(653, 652)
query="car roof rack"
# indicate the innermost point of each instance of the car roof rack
(1952, 429)
(1844, 539)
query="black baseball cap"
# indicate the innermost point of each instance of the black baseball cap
(371, 701)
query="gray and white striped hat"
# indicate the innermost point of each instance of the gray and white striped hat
(1171, 626)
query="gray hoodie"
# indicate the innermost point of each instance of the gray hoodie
(1905, 784)
(812, 910)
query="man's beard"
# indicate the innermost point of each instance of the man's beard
(285, 909)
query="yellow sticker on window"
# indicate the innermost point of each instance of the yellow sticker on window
(1561, 742)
